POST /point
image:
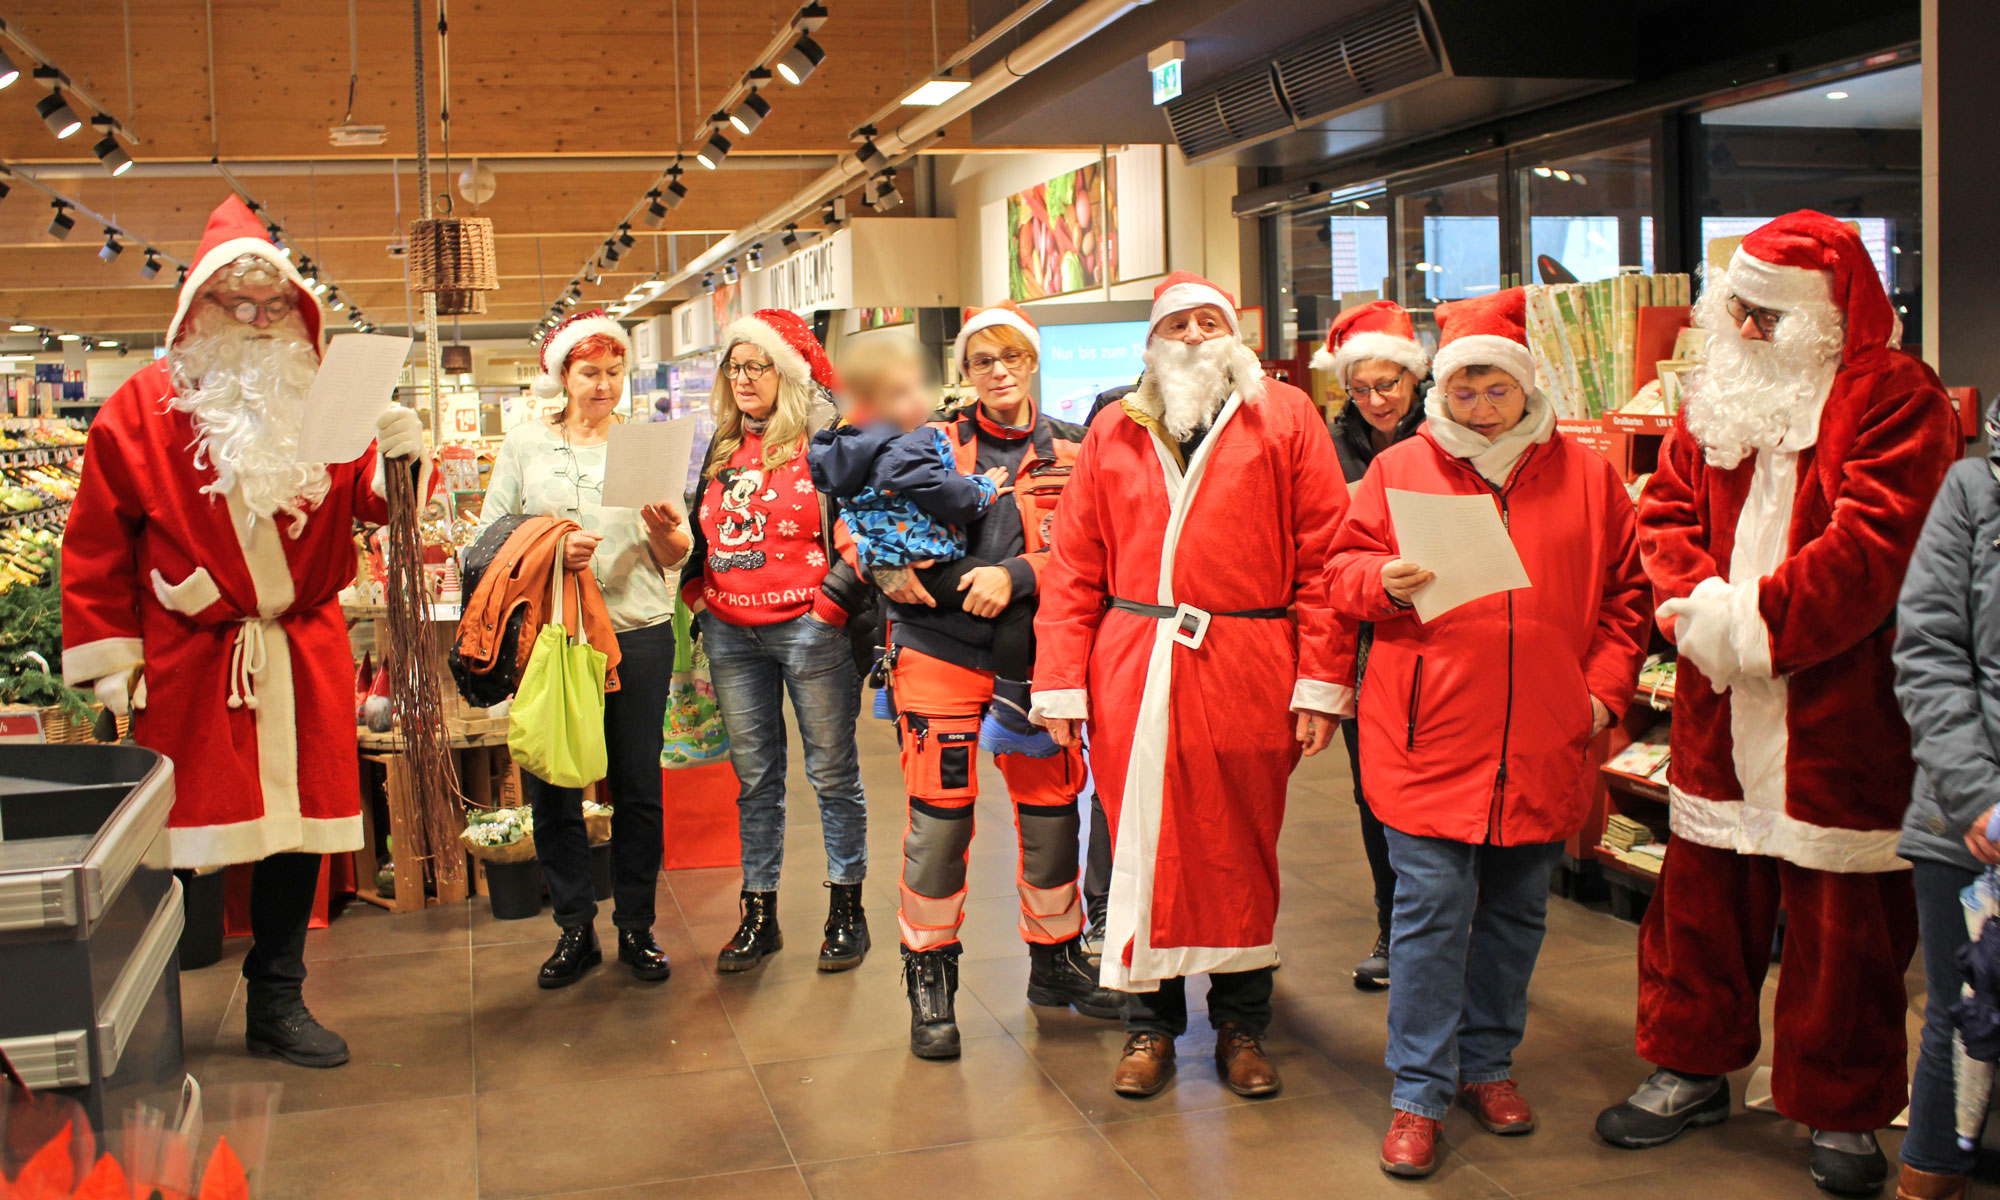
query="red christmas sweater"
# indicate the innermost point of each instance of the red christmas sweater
(763, 545)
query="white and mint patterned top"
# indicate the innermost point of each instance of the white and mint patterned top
(538, 474)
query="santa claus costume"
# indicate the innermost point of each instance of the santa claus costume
(202, 566)
(1788, 500)
(1184, 618)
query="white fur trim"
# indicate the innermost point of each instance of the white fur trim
(220, 257)
(1061, 704)
(1747, 629)
(1745, 828)
(791, 364)
(201, 847)
(1763, 284)
(555, 351)
(92, 661)
(988, 318)
(190, 595)
(1322, 360)
(1183, 296)
(1367, 347)
(1315, 695)
(1490, 349)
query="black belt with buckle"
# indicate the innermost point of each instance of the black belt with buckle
(1163, 612)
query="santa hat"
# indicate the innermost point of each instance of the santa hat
(566, 337)
(1007, 314)
(1184, 290)
(785, 336)
(1379, 329)
(234, 231)
(1807, 259)
(1488, 330)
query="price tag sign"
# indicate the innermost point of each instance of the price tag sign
(21, 728)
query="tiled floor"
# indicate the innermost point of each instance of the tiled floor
(469, 1081)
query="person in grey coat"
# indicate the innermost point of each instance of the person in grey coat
(1948, 684)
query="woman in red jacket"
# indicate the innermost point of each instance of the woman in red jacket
(1473, 724)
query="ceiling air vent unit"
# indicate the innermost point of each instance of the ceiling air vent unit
(1357, 63)
(1240, 107)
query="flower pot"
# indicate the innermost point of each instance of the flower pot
(600, 870)
(201, 930)
(514, 890)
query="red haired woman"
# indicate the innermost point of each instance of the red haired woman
(555, 468)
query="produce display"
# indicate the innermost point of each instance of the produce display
(28, 556)
(24, 489)
(1055, 232)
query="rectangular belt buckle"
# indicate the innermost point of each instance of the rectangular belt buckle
(1190, 626)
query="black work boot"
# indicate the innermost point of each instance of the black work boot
(846, 941)
(756, 935)
(1371, 974)
(1059, 976)
(639, 950)
(1847, 1164)
(576, 952)
(287, 1030)
(931, 978)
(1665, 1106)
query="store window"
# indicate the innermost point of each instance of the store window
(1851, 148)
(1588, 216)
(1450, 240)
(1332, 257)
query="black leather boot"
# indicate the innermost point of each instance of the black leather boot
(931, 978)
(756, 934)
(846, 941)
(576, 952)
(638, 950)
(1060, 976)
(288, 1031)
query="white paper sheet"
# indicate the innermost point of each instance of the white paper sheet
(1463, 540)
(647, 463)
(356, 380)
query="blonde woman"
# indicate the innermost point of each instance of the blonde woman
(773, 617)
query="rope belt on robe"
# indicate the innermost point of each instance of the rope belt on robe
(247, 658)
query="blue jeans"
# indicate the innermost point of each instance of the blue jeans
(1932, 1142)
(1463, 940)
(753, 666)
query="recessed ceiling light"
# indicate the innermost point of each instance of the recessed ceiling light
(933, 92)
(1836, 95)
(21, 329)
(69, 337)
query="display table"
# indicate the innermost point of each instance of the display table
(482, 757)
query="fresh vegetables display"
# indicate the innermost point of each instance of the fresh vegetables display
(1056, 236)
(31, 624)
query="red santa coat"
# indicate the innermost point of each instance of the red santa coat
(217, 605)
(1806, 757)
(1191, 747)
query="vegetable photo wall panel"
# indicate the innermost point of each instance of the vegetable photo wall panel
(1057, 236)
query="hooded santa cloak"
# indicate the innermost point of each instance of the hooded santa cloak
(232, 619)
(1192, 744)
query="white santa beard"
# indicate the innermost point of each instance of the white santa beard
(1193, 381)
(246, 389)
(1750, 395)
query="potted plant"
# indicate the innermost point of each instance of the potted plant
(597, 828)
(504, 839)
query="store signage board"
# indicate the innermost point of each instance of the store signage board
(820, 276)
(1165, 63)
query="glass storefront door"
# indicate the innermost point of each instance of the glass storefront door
(1587, 216)
(1450, 241)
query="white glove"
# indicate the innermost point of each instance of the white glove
(1702, 631)
(399, 433)
(112, 694)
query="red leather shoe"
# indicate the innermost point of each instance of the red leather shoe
(1409, 1150)
(1499, 1107)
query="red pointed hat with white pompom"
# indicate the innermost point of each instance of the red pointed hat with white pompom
(566, 337)
(1490, 330)
(1379, 330)
(234, 232)
(1184, 290)
(1807, 259)
(785, 336)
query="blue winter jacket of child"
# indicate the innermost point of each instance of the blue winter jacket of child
(901, 493)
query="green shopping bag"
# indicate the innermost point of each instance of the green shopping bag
(692, 734)
(557, 729)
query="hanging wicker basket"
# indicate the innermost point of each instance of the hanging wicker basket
(455, 303)
(452, 255)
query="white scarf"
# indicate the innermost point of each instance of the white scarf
(1494, 459)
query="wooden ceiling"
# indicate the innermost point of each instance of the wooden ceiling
(532, 85)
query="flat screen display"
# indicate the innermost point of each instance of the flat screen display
(1079, 361)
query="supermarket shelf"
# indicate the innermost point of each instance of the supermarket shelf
(1611, 862)
(1634, 785)
(48, 514)
(32, 456)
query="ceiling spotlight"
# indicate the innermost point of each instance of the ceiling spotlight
(62, 222)
(809, 18)
(754, 257)
(713, 152)
(1543, 172)
(55, 112)
(612, 251)
(625, 239)
(180, 277)
(656, 212)
(675, 191)
(151, 266)
(112, 155)
(595, 275)
(729, 273)
(750, 114)
(319, 289)
(791, 239)
(799, 62)
(308, 274)
(334, 301)
(8, 71)
(1562, 175)
(708, 282)
(885, 197)
(869, 157)
(48, 340)
(833, 214)
(933, 92)
(5, 187)
(111, 248)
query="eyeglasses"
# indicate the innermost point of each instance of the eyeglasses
(1765, 319)
(982, 364)
(1387, 391)
(1495, 396)
(277, 308)
(752, 371)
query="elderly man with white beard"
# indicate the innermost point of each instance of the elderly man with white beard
(1776, 532)
(202, 566)
(1184, 620)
